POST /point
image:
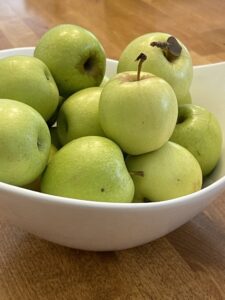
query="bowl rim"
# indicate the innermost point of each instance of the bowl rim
(35, 195)
(38, 196)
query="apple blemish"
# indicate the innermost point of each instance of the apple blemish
(171, 48)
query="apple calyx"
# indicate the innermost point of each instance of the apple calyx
(141, 58)
(171, 48)
(137, 173)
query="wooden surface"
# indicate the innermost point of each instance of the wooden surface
(186, 264)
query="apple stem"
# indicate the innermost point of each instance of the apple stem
(137, 173)
(141, 58)
(171, 48)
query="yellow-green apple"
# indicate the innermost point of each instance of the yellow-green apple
(27, 79)
(187, 99)
(169, 172)
(36, 184)
(199, 131)
(78, 115)
(89, 168)
(167, 58)
(52, 152)
(24, 143)
(139, 114)
(74, 56)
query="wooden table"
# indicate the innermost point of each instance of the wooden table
(186, 264)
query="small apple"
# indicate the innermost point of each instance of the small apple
(27, 79)
(169, 172)
(24, 143)
(89, 168)
(199, 131)
(168, 58)
(74, 56)
(138, 111)
(78, 115)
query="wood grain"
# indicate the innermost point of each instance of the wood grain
(186, 264)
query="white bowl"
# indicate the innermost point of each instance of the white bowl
(109, 226)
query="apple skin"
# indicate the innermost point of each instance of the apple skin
(36, 184)
(169, 172)
(199, 131)
(139, 116)
(187, 99)
(24, 143)
(74, 56)
(89, 168)
(52, 152)
(79, 116)
(27, 79)
(178, 73)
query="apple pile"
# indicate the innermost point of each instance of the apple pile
(68, 130)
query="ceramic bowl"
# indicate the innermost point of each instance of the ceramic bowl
(109, 226)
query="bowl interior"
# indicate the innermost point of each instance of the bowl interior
(207, 90)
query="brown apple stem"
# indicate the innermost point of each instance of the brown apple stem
(137, 173)
(171, 48)
(141, 58)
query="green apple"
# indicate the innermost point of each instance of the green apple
(74, 56)
(24, 143)
(139, 115)
(169, 172)
(187, 99)
(52, 152)
(176, 70)
(89, 168)
(79, 116)
(27, 79)
(199, 131)
(36, 184)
